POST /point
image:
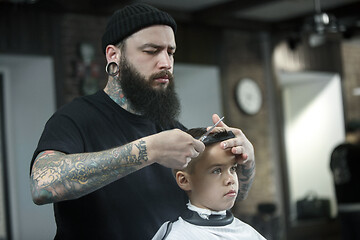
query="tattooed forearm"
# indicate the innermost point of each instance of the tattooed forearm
(142, 151)
(244, 189)
(246, 176)
(57, 176)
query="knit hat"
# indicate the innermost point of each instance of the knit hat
(131, 19)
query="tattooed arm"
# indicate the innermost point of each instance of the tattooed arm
(57, 176)
(244, 152)
(246, 174)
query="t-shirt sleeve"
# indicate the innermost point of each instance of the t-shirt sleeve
(62, 134)
(181, 126)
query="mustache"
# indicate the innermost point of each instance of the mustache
(162, 74)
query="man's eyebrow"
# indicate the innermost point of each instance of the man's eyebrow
(153, 45)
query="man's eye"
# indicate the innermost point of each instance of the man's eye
(152, 52)
(234, 168)
(217, 171)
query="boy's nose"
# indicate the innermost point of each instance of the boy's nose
(229, 179)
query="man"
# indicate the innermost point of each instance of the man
(345, 166)
(104, 160)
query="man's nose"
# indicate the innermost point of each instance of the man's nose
(165, 61)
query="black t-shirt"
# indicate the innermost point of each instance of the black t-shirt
(133, 207)
(345, 166)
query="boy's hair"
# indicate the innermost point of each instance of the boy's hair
(212, 138)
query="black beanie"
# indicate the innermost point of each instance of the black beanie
(131, 19)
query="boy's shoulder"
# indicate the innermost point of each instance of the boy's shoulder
(183, 230)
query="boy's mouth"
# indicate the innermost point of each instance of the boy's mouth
(231, 193)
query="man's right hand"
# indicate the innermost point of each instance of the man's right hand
(173, 148)
(57, 176)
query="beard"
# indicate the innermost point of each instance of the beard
(162, 106)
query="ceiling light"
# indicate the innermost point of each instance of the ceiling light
(319, 25)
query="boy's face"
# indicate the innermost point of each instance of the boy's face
(213, 183)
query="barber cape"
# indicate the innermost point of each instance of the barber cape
(202, 224)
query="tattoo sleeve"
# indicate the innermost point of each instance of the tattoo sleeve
(246, 174)
(57, 176)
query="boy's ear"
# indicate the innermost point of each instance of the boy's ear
(183, 180)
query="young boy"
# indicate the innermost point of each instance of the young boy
(211, 182)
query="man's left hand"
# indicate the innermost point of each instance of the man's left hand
(240, 145)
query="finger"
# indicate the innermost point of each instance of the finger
(199, 146)
(238, 150)
(216, 129)
(216, 118)
(242, 158)
(240, 153)
(188, 160)
(230, 143)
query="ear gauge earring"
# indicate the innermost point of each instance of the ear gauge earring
(116, 67)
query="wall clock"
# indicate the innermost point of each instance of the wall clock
(248, 96)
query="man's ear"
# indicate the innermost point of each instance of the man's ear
(183, 180)
(112, 54)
